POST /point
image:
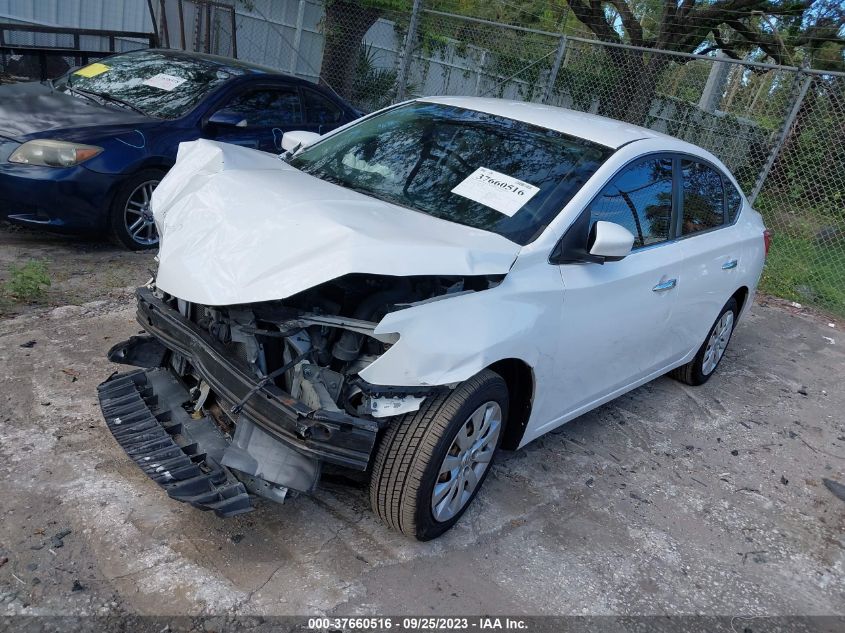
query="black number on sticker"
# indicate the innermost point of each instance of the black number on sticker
(501, 184)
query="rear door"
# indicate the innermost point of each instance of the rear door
(266, 113)
(618, 318)
(711, 248)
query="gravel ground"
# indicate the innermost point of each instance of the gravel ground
(670, 500)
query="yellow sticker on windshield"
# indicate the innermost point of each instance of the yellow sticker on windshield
(92, 70)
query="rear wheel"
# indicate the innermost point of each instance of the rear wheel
(131, 217)
(431, 463)
(710, 354)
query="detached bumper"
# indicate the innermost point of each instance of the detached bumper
(328, 436)
(143, 411)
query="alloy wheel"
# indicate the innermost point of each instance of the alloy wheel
(717, 343)
(466, 461)
(138, 216)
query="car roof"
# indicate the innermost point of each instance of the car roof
(592, 127)
(222, 62)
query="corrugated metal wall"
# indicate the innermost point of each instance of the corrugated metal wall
(111, 15)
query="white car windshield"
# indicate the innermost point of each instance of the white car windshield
(476, 169)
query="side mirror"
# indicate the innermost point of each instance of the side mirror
(610, 240)
(298, 139)
(583, 244)
(227, 118)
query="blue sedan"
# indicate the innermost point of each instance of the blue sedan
(84, 153)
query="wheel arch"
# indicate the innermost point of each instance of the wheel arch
(741, 296)
(519, 378)
(122, 178)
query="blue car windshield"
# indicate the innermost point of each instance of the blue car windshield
(480, 170)
(154, 83)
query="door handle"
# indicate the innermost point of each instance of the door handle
(665, 285)
(731, 264)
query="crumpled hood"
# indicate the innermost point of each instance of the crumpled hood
(241, 226)
(32, 109)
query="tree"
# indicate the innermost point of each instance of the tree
(345, 24)
(736, 27)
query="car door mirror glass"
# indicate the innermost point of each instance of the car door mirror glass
(227, 118)
(610, 240)
(298, 139)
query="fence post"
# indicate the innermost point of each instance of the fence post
(408, 52)
(480, 72)
(781, 141)
(561, 49)
(711, 96)
(297, 37)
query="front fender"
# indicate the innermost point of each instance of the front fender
(449, 340)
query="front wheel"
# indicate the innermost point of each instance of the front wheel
(131, 217)
(709, 355)
(431, 463)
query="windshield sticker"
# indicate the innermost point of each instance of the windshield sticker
(501, 192)
(92, 70)
(164, 81)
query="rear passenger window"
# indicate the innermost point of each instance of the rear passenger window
(640, 199)
(733, 199)
(704, 197)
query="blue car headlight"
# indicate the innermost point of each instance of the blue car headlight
(50, 153)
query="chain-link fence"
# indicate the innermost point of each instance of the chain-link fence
(780, 129)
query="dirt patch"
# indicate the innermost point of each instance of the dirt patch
(80, 269)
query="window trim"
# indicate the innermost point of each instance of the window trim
(726, 182)
(719, 172)
(676, 220)
(672, 219)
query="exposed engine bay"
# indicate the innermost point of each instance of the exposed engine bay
(313, 344)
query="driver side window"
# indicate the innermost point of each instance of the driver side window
(640, 199)
(268, 107)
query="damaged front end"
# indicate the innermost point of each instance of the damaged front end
(259, 399)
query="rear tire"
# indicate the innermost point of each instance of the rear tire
(130, 217)
(710, 354)
(422, 450)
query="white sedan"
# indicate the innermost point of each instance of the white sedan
(409, 293)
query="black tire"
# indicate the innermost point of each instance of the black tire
(414, 447)
(132, 189)
(694, 372)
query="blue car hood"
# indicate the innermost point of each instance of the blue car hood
(33, 109)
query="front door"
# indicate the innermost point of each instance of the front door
(617, 325)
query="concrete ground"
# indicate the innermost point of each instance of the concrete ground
(670, 500)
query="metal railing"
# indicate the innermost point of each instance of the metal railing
(20, 59)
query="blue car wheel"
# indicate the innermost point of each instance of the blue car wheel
(132, 222)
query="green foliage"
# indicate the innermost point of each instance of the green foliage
(28, 282)
(815, 160)
(802, 270)
(373, 87)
